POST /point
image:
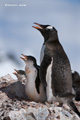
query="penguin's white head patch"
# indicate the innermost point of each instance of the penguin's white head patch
(49, 27)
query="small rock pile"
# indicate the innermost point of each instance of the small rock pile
(15, 106)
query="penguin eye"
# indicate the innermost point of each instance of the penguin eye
(35, 71)
(49, 28)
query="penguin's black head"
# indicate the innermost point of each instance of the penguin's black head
(47, 31)
(22, 72)
(75, 76)
(29, 59)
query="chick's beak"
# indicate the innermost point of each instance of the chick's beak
(38, 27)
(16, 71)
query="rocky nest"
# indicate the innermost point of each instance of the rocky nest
(15, 106)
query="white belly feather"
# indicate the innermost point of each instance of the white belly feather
(31, 90)
(49, 81)
(49, 93)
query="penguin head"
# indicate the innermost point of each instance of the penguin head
(47, 31)
(20, 74)
(31, 64)
(29, 60)
(75, 76)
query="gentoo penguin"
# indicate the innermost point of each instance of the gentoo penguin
(76, 84)
(34, 88)
(55, 69)
(21, 75)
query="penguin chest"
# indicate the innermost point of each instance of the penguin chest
(32, 92)
(27, 70)
(30, 88)
(22, 78)
(49, 81)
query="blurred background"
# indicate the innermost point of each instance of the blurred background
(17, 35)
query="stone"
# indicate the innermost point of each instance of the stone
(7, 118)
(7, 78)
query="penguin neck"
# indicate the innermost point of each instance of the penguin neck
(52, 40)
(21, 77)
(31, 74)
(53, 43)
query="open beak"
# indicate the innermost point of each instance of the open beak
(24, 57)
(38, 27)
(16, 71)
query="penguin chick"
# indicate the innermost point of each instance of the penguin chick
(34, 88)
(21, 75)
(55, 69)
(76, 84)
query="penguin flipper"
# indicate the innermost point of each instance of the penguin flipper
(37, 82)
(43, 69)
(73, 107)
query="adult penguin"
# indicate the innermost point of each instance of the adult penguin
(55, 69)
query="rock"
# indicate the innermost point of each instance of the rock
(3, 98)
(7, 78)
(40, 113)
(7, 118)
(5, 81)
(20, 115)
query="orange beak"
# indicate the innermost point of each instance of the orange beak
(16, 71)
(24, 57)
(38, 27)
